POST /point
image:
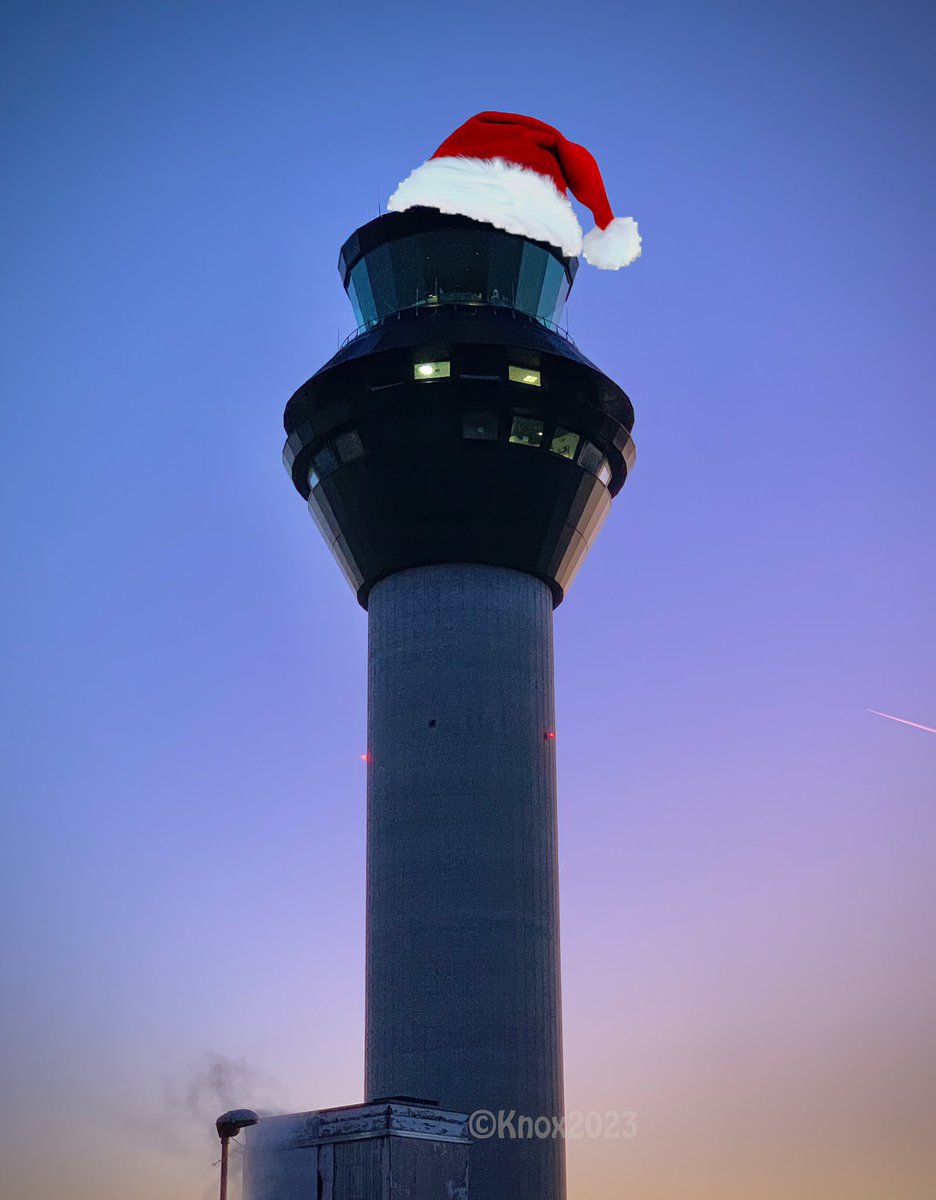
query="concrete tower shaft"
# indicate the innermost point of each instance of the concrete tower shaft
(462, 875)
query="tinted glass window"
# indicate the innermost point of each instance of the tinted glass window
(349, 446)
(464, 266)
(527, 431)
(324, 461)
(530, 283)
(481, 426)
(361, 295)
(552, 292)
(564, 443)
(591, 458)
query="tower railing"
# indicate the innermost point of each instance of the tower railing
(456, 304)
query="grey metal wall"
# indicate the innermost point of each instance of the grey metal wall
(358, 1152)
(463, 1003)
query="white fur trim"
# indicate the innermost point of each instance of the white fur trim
(614, 246)
(501, 193)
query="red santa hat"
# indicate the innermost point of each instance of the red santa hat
(514, 172)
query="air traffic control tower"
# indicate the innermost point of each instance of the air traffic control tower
(459, 455)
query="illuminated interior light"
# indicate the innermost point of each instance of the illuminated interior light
(524, 375)
(432, 370)
(526, 431)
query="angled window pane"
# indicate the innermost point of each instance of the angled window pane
(480, 426)
(527, 431)
(564, 443)
(349, 446)
(533, 267)
(590, 457)
(552, 284)
(324, 461)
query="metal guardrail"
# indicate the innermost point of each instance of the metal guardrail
(424, 306)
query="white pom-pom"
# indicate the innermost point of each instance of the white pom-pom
(613, 247)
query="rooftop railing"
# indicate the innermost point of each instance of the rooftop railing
(452, 302)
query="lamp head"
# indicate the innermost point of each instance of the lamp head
(229, 1124)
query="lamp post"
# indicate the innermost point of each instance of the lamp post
(228, 1125)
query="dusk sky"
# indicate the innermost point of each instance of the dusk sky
(747, 854)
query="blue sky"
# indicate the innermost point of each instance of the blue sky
(746, 853)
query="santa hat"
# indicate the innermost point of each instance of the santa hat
(513, 172)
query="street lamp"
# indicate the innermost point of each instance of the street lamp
(228, 1125)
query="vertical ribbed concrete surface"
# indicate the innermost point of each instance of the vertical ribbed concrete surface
(463, 1000)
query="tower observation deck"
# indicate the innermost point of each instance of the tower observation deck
(459, 455)
(459, 426)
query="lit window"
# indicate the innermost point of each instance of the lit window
(591, 458)
(564, 443)
(480, 426)
(527, 431)
(524, 375)
(432, 370)
(604, 472)
(349, 446)
(313, 477)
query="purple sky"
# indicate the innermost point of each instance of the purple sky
(747, 854)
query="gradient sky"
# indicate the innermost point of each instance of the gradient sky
(748, 882)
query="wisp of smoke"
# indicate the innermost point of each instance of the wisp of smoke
(192, 1102)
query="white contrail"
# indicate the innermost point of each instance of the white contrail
(916, 725)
